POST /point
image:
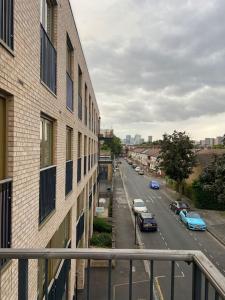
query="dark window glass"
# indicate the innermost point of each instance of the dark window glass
(6, 22)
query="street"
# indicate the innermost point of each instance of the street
(172, 234)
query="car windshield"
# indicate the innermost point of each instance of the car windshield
(149, 220)
(183, 205)
(193, 215)
(155, 182)
(139, 204)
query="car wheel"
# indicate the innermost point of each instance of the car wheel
(187, 226)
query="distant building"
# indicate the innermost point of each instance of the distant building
(149, 139)
(137, 139)
(219, 140)
(209, 142)
(128, 139)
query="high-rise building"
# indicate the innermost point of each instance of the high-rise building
(128, 139)
(149, 139)
(49, 124)
(209, 142)
(137, 139)
(219, 140)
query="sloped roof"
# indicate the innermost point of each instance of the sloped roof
(206, 156)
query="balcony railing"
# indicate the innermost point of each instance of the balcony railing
(69, 176)
(69, 92)
(90, 200)
(78, 169)
(80, 229)
(48, 61)
(85, 165)
(79, 107)
(47, 192)
(5, 219)
(205, 279)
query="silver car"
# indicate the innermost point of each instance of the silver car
(139, 206)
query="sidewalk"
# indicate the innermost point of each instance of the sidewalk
(120, 274)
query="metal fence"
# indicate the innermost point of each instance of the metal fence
(69, 176)
(48, 61)
(69, 92)
(5, 211)
(47, 192)
(204, 272)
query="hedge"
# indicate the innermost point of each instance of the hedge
(103, 240)
(101, 225)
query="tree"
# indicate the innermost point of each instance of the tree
(114, 145)
(177, 157)
(212, 179)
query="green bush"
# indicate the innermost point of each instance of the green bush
(103, 240)
(101, 225)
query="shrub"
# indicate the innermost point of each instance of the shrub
(101, 225)
(103, 240)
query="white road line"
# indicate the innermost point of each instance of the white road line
(205, 250)
(166, 243)
(217, 263)
(200, 244)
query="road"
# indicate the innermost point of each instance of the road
(172, 234)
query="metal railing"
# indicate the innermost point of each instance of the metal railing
(69, 92)
(48, 61)
(204, 272)
(5, 219)
(85, 165)
(47, 192)
(79, 169)
(80, 228)
(79, 107)
(69, 176)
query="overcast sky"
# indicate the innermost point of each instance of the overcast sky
(156, 66)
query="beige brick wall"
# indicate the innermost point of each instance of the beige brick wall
(26, 98)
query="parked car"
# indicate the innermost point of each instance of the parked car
(192, 220)
(134, 166)
(141, 172)
(177, 206)
(147, 222)
(153, 184)
(137, 169)
(139, 206)
(129, 162)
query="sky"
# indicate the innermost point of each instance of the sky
(156, 66)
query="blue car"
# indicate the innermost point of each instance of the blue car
(192, 220)
(153, 184)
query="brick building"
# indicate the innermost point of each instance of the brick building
(49, 122)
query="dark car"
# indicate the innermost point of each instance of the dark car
(177, 206)
(147, 222)
(153, 184)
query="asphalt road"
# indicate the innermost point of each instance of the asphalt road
(172, 234)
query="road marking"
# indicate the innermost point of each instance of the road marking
(126, 283)
(158, 287)
(217, 263)
(211, 256)
(205, 250)
(133, 269)
(166, 243)
(200, 244)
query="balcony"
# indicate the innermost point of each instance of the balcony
(48, 61)
(69, 92)
(85, 165)
(5, 220)
(79, 107)
(47, 192)
(205, 281)
(80, 228)
(78, 169)
(69, 176)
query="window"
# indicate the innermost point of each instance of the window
(79, 93)
(68, 143)
(46, 142)
(86, 103)
(89, 112)
(2, 139)
(48, 52)
(6, 22)
(69, 74)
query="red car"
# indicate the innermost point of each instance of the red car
(177, 206)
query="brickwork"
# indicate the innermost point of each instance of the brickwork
(26, 99)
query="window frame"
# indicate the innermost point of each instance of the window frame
(7, 23)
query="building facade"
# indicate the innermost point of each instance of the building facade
(49, 124)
